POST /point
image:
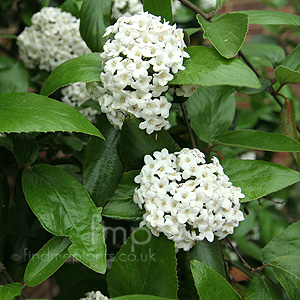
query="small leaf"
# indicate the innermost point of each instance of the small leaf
(227, 33)
(132, 152)
(85, 68)
(10, 291)
(145, 264)
(258, 178)
(267, 17)
(211, 111)
(102, 167)
(47, 260)
(121, 205)
(94, 18)
(206, 67)
(161, 8)
(210, 284)
(260, 140)
(64, 208)
(28, 112)
(262, 288)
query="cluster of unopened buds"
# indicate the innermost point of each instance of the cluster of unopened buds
(138, 64)
(187, 199)
(94, 296)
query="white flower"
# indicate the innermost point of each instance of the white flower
(94, 296)
(187, 199)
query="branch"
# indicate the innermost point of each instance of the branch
(194, 8)
(186, 119)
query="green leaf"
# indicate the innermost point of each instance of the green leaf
(11, 69)
(273, 53)
(210, 284)
(161, 8)
(287, 271)
(102, 167)
(258, 178)
(72, 6)
(260, 140)
(25, 149)
(227, 33)
(211, 111)
(132, 152)
(121, 205)
(289, 71)
(47, 260)
(145, 264)
(265, 83)
(285, 243)
(66, 212)
(85, 68)
(267, 17)
(206, 67)
(139, 297)
(10, 291)
(261, 288)
(94, 18)
(28, 112)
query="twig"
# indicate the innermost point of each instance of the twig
(194, 8)
(239, 267)
(186, 119)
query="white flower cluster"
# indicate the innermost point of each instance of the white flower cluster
(75, 95)
(52, 39)
(138, 63)
(94, 296)
(186, 198)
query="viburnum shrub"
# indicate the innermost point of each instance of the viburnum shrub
(149, 150)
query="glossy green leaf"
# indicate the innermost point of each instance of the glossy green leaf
(227, 33)
(260, 140)
(85, 68)
(206, 67)
(261, 288)
(102, 167)
(67, 212)
(94, 18)
(11, 69)
(28, 112)
(145, 264)
(121, 205)
(10, 291)
(258, 178)
(25, 149)
(210, 284)
(267, 17)
(161, 8)
(289, 70)
(273, 53)
(285, 243)
(287, 271)
(140, 297)
(47, 260)
(211, 111)
(136, 143)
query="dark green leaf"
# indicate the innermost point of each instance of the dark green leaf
(94, 18)
(206, 67)
(258, 178)
(72, 141)
(14, 76)
(191, 31)
(4, 200)
(144, 265)
(28, 112)
(211, 111)
(261, 288)
(72, 6)
(47, 260)
(227, 33)
(265, 83)
(102, 167)
(139, 297)
(64, 208)
(161, 8)
(121, 205)
(136, 143)
(210, 284)
(10, 291)
(25, 149)
(267, 17)
(85, 68)
(254, 139)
